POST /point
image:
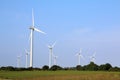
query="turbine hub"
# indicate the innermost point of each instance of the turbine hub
(50, 48)
(31, 28)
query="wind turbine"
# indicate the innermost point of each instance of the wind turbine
(51, 53)
(32, 29)
(55, 59)
(27, 53)
(79, 56)
(18, 61)
(92, 58)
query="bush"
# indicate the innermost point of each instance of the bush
(105, 67)
(45, 67)
(55, 67)
(8, 68)
(114, 69)
(78, 67)
(91, 67)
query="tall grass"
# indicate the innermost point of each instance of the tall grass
(59, 75)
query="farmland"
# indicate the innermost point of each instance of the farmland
(59, 75)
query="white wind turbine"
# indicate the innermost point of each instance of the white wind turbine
(27, 53)
(55, 59)
(79, 56)
(32, 28)
(51, 53)
(92, 58)
(18, 61)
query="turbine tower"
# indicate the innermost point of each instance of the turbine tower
(51, 53)
(27, 53)
(79, 56)
(92, 58)
(32, 29)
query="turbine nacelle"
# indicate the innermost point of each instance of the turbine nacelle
(31, 28)
(19, 56)
(27, 53)
(35, 29)
(51, 46)
(79, 53)
(55, 57)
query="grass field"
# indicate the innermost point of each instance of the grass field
(59, 75)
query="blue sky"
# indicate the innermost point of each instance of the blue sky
(93, 25)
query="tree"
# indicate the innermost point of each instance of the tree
(45, 67)
(114, 69)
(8, 68)
(91, 67)
(102, 67)
(105, 67)
(55, 67)
(108, 66)
(78, 67)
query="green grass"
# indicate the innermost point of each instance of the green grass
(59, 75)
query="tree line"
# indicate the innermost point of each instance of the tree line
(90, 67)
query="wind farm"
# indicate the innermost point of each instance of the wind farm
(72, 32)
(82, 40)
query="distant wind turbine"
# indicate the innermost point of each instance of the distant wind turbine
(18, 61)
(92, 58)
(27, 53)
(51, 53)
(55, 59)
(79, 56)
(32, 28)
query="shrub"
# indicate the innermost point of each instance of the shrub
(55, 67)
(45, 67)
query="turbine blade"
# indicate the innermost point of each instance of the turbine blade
(54, 44)
(39, 31)
(76, 54)
(80, 50)
(55, 56)
(26, 52)
(90, 57)
(82, 57)
(30, 36)
(20, 55)
(94, 54)
(48, 46)
(32, 18)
